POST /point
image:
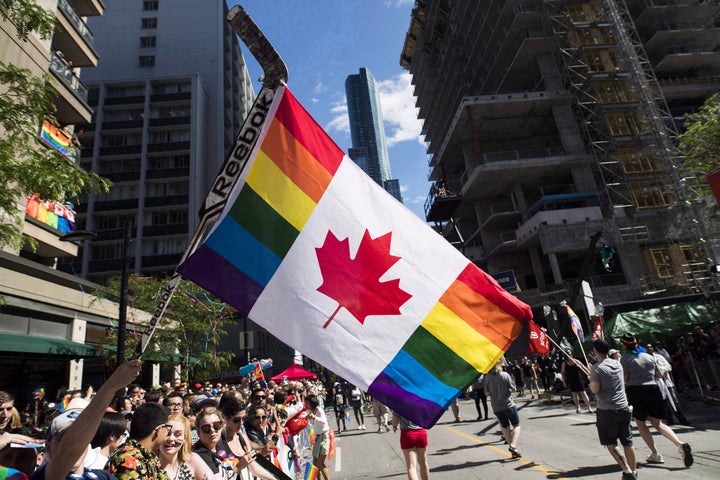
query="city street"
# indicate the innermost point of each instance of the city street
(556, 443)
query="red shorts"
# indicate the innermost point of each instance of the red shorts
(413, 439)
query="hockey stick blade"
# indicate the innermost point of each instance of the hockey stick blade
(269, 59)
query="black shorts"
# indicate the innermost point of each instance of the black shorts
(646, 401)
(614, 425)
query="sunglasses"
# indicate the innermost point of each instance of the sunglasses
(238, 419)
(174, 405)
(209, 427)
(165, 425)
(264, 417)
(259, 397)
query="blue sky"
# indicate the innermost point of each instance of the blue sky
(324, 41)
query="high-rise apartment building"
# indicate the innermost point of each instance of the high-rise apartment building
(169, 97)
(49, 319)
(367, 131)
(551, 126)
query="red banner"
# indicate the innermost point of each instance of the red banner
(538, 341)
(714, 181)
(598, 329)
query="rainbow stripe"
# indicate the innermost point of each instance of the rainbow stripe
(56, 138)
(293, 167)
(311, 471)
(472, 322)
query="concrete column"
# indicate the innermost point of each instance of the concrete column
(557, 278)
(537, 267)
(178, 373)
(77, 334)
(519, 201)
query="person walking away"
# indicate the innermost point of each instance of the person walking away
(357, 399)
(499, 386)
(613, 410)
(643, 393)
(672, 403)
(322, 436)
(479, 391)
(380, 412)
(413, 443)
(339, 405)
(573, 379)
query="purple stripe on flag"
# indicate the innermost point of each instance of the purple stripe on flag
(221, 278)
(423, 412)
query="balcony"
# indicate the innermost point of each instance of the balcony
(560, 222)
(73, 37)
(89, 8)
(71, 102)
(442, 201)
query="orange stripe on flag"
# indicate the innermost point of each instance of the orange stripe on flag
(295, 161)
(481, 314)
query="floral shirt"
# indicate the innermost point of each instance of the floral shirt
(132, 461)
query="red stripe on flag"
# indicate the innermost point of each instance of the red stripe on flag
(306, 131)
(485, 285)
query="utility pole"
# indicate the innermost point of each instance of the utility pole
(122, 314)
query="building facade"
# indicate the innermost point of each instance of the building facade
(168, 102)
(550, 127)
(367, 131)
(49, 320)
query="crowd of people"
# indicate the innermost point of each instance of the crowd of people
(170, 432)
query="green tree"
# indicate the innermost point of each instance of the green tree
(700, 142)
(26, 166)
(193, 325)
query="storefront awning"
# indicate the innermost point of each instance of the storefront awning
(55, 347)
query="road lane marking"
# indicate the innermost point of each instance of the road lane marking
(551, 474)
(338, 459)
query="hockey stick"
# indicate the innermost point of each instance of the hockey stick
(275, 73)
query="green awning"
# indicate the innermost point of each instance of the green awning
(45, 346)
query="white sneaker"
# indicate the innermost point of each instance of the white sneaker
(360, 427)
(655, 458)
(363, 427)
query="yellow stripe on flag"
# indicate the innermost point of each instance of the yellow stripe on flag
(286, 198)
(461, 338)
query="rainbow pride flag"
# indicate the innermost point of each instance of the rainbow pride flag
(313, 250)
(311, 471)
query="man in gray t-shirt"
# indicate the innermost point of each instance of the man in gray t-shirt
(613, 412)
(499, 387)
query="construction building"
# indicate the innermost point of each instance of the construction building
(550, 127)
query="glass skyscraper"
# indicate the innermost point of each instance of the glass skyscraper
(369, 149)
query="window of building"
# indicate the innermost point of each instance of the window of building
(662, 262)
(164, 189)
(107, 222)
(121, 140)
(652, 194)
(149, 22)
(118, 91)
(150, 5)
(170, 136)
(166, 246)
(145, 61)
(168, 217)
(692, 260)
(168, 161)
(172, 87)
(121, 191)
(122, 114)
(148, 42)
(106, 252)
(639, 161)
(170, 112)
(118, 165)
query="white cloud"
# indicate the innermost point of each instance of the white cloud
(399, 111)
(398, 3)
(340, 121)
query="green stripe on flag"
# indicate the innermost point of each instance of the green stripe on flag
(439, 360)
(263, 223)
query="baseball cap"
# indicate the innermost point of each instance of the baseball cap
(628, 339)
(612, 352)
(203, 401)
(63, 421)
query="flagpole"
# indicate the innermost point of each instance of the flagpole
(582, 349)
(584, 368)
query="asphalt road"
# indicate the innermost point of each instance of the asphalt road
(556, 443)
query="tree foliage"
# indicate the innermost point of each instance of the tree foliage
(26, 166)
(700, 142)
(28, 17)
(193, 325)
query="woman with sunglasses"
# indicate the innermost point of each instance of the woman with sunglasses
(220, 461)
(176, 457)
(235, 441)
(321, 448)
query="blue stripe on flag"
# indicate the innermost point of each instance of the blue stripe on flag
(245, 252)
(411, 376)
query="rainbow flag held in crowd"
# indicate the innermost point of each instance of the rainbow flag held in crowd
(311, 471)
(314, 251)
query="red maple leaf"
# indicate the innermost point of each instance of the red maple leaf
(355, 282)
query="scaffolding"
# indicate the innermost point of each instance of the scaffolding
(626, 121)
